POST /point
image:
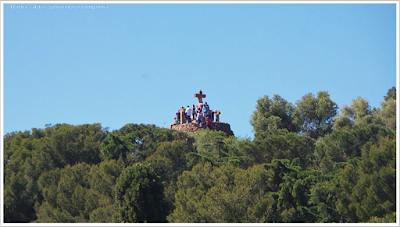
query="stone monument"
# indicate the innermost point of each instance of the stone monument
(217, 113)
(199, 97)
(182, 115)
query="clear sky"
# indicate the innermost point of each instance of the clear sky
(139, 63)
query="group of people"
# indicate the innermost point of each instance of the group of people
(202, 113)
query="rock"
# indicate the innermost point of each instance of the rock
(192, 127)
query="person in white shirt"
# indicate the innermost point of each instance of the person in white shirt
(188, 112)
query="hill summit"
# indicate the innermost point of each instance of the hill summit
(200, 117)
(193, 127)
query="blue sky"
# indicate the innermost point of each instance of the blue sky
(139, 63)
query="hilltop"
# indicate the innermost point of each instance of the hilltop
(193, 127)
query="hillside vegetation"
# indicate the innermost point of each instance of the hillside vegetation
(308, 162)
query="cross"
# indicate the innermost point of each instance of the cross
(199, 96)
(217, 113)
(182, 113)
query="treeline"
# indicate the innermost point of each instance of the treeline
(306, 163)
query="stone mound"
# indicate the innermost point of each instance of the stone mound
(192, 127)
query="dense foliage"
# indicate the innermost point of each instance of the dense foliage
(308, 162)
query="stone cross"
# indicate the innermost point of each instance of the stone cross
(199, 96)
(182, 113)
(217, 113)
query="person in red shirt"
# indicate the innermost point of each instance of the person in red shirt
(208, 121)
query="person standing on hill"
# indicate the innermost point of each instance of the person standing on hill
(188, 113)
(198, 118)
(208, 122)
(177, 115)
(204, 111)
(198, 111)
(208, 110)
(193, 113)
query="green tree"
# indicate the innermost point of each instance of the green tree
(316, 114)
(137, 142)
(175, 151)
(323, 195)
(139, 196)
(367, 187)
(224, 194)
(391, 217)
(362, 113)
(75, 144)
(391, 94)
(293, 189)
(344, 118)
(102, 214)
(163, 167)
(100, 199)
(275, 113)
(49, 214)
(216, 148)
(65, 191)
(79, 193)
(281, 144)
(9, 136)
(211, 143)
(388, 113)
(18, 205)
(359, 112)
(275, 192)
(346, 143)
(116, 147)
(169, 161)
(21, 171)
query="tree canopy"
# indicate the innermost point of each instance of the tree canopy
(307, 163)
